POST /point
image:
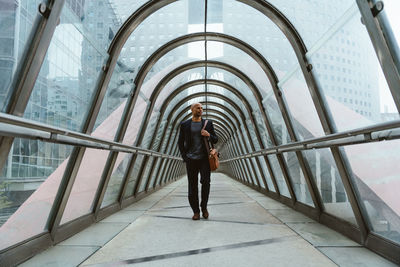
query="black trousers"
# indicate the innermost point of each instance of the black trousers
(193, 168)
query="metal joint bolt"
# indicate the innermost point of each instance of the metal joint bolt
(377, 8)
(44, 10)
(309, 67)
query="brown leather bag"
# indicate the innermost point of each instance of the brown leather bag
(213, 155)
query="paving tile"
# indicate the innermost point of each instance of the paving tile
(289, 215)
(96, 235)
(320, 235)
(355, 256)
(61, 256)
(124, 216)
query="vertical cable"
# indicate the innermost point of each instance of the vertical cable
(205, 55)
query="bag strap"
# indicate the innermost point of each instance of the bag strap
(205, 138)
(207, 146)
(204, 126)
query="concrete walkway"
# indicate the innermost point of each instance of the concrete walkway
(245, 228)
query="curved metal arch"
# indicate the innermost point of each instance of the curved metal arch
(250, 142)
(255, 55)
(248, 168)
(164, 166)
(178, 118)
(174, 94)
(162, 111)
(247, 106)
(232, 41)
(280, 102)
(210, 63)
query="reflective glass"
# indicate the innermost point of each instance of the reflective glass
(146, 174)
(376, 174)
(319, 16)
(170, 61)
(114, 101)
(176, 82)
(89, 174)
(257, 178)
(301, 107)
(259, 32)
(135, 122)
(351, 78)
(154, 178)
(267, 176)
(162, 26)
(280, 180)
(234, 81)
(262, 128)
(296, 176)
(17, 21)
(330, 187)
(64, 87)
(124, 8)
(114, 185)
(275, 117)
(242, 61)
(85, 185)
(133, 177)
(391, 8)
(29, 183)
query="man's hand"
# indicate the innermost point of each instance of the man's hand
(205, 133)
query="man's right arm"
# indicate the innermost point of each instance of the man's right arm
(181, 142)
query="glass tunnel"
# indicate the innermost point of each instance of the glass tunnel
(304, 96)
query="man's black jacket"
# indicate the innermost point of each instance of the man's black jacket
(185, 140)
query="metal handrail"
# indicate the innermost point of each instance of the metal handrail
(374, 133)
(15, 126)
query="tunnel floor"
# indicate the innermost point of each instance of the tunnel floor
(245, 228)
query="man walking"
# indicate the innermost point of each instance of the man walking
(194, 153)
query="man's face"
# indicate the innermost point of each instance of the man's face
(197, 110)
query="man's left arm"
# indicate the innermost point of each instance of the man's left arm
(213, 136)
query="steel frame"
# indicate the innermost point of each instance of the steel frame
(377, 27)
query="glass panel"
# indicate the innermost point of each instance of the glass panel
(135, 122)
(262, 129)
(133, 177)
(297, 178)
(330, 186)
(259, 32)
(171, 60)
(391, 9)
(257, 178)
(112, 107)
(17, 21)
(143, 177)
(237, 58)
(351, 78)
(159, 28)
(123, 8)
(234, 81)
(161, 175)
(85, 185)
(146, 174)
(319, 16)
(155, 177)
(28, 185)
(280, 180)
(266, 174)
(116, 179)
(301, 107)
(65, 84)
(376, 174)
(277, 123)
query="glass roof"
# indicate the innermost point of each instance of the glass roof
(303, 93)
